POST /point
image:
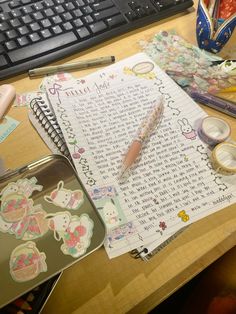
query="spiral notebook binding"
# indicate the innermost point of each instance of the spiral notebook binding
(47, 120)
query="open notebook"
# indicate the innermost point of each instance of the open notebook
(171, 185)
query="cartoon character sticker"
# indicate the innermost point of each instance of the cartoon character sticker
(110, 214)
(74, 231)
(65, 198)
(187, 129)
(107, 202)
(26, 262)
(15, 199)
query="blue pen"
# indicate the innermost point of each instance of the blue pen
(214, 102)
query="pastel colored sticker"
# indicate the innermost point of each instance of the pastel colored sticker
(37, 226)
(74, 231)
(31, 226)
(102, 192)
(117, 234)
(15, 206)
(26, 262)
(65, 198)
(143, 67)
(107, 202)
(15, 199)
(7, 126)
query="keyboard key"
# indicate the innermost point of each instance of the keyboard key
(34, 37)
(10, 45)
(2, 38)
(59, 9)
(77, 23)
(67, 16)
(2, 50)
(48, 3)
(14, 4)
(56, 20)
(80, 3)
(27, 19)
(45, 23)
(4, 16)
(39, 48)
(87, 19)
(116, 20)
(49, 12)
(46, 33)
(26, 10)
(131, 15)
(83, 32)
(3, 61)
(35, 26)
(67, 26)
(57, 29)
(37, 15)
(4, 26)
(103, 5)
(77, 13)
(69, 6)
(97, 27)
(16, 13)
(106, 13)
(22, 41)
(15, 23)
(23, 30)
(11, 34)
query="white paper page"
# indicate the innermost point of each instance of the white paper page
(171, 185)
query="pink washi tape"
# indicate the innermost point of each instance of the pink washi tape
(7, 94)
(214, 130)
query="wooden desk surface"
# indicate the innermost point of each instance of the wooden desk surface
(97, 284)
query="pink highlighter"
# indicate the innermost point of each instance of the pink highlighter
(7, 94)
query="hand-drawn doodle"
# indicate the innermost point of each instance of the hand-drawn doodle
(187, 129)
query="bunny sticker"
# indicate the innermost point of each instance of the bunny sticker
(76, 232)
(187, 129)
(65, 198)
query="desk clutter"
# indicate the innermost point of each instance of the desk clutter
(172, 184)
(186, 169)
(207, 78)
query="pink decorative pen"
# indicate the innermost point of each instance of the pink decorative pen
(151, 121)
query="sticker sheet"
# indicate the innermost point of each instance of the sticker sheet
(47, 223)
(171, 185)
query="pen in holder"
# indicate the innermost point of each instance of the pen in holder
(216, 20)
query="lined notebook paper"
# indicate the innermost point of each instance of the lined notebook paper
(171, 185)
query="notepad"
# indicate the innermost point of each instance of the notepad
(172, 184)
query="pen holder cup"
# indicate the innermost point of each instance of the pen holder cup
(211, 34)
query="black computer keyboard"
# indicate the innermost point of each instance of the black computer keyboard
(34, 33)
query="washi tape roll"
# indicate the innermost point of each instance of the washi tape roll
(213, 130)
(223, 158)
